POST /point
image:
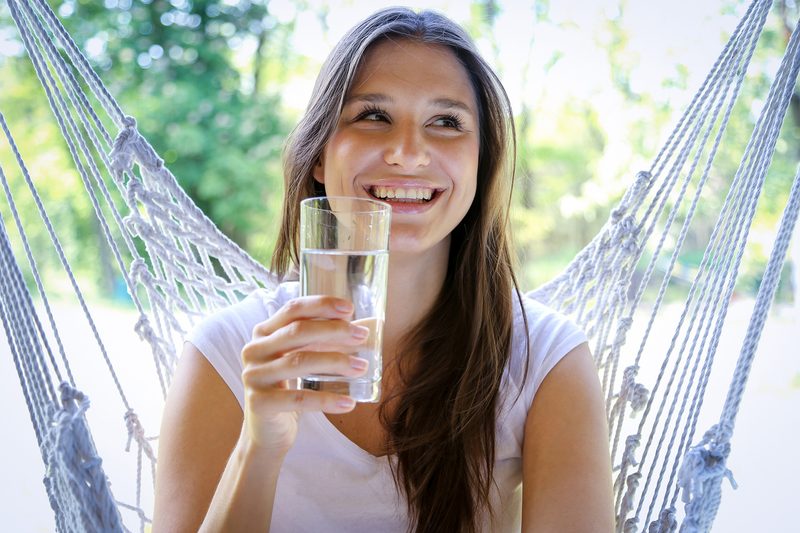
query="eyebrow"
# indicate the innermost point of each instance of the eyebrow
(377, 98)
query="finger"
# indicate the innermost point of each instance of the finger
(301, 334)
(280, 400)
(305, 307)
(302, 363)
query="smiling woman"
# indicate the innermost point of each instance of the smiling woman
(491, 416)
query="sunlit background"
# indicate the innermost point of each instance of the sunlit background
(216, 86)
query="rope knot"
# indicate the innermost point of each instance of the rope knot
(632, 484)
(639, 397)
(136, 432)
(631, 525)
(629, 374)
(623, 325)
(630, 246)
(121, 153)
(130, 145)
(628, 226)
(643, 178)
(666, 523)
(630, 391)
(138, 270)
(631, 444)
(135, 188)
(70, 394)
(704, 466)
(144, 329)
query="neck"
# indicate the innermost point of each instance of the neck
(414, 284)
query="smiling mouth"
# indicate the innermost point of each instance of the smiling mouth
(416, 195)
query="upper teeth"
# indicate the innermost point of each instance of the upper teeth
(401, 192)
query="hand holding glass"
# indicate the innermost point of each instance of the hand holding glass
(344, 252)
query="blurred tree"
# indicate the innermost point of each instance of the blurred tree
(204, 78)
(191, 73)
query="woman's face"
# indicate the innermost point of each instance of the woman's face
(408, 135)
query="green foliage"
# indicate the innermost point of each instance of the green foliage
(190, 72)
(204, 78)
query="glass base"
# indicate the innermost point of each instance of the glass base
(360, 390)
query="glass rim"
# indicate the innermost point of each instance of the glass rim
(378, 206)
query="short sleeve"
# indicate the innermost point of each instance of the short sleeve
(221, 336)
(550, 336)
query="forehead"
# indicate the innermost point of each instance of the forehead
(427, 68)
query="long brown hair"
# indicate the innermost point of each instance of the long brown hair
(445, 456)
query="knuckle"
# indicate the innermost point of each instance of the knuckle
(295, 329)
(330, 301)
(247, 352)
(297, 359)
(292, 307)
(299, 398)
(262, 329)
(247, 377)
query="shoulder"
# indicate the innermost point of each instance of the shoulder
(221, 335)
(541, 337)
(240, 318)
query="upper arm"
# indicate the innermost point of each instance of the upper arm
(566, 464)
(200, 426)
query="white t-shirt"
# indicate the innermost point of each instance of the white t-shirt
(327, 483)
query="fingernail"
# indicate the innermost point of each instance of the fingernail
(358, 364)
(359, 332)
(344, 307)
(345, 402)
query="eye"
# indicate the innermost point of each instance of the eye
(372, 114)
(449, 121)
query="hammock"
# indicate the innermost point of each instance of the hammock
(178, 266)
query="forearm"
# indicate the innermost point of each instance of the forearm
(246, 492)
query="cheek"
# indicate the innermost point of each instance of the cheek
(346, 157)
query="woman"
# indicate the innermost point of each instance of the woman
(403, 102)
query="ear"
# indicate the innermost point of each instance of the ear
(319, 170)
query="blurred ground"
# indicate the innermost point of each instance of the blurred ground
(762, 460)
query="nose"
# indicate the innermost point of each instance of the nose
(407, 148)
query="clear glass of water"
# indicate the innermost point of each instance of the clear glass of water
(344, 252)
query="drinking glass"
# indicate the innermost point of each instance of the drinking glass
(344, 252)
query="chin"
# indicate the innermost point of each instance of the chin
(400, 245)
(407, 243)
